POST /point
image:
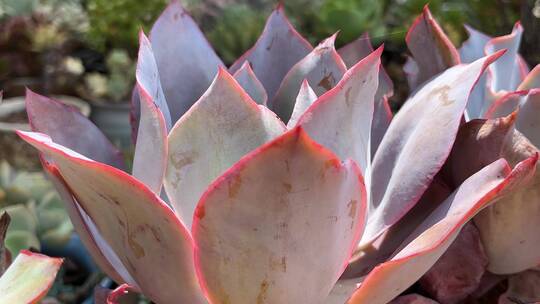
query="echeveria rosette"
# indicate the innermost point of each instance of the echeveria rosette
(261, 205)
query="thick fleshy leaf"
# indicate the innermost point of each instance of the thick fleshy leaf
(365, 258)
(68, 127)
(138, 226)
(431, 239)
(431, 49)
(382, 116)
(151, 148)
(478, 143)
(185, 60)
(224, 125)
(341, 118)
(417, 143)
(291, 208)
(342, 291)
(94, 243)
(358, 49)
(106, 296)
(306, 97)
(248, 81)
(458, 272)
(29, 278)
(323, 68)
(532, 80)
(504, 75)
(5, 255)
(522, 288)
(278, 48)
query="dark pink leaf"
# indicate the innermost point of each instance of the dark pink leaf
(292, 209)
(278, 48)
(67, 126)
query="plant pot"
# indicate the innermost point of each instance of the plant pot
(113, 120)
(13, 117)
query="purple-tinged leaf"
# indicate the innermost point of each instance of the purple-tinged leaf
(306, 97)
(323, 68)
(278, 48)
(68, 127)
(532, 80)
(341, 118)
(29, 278)
(431, 239)
(150, 158)
(248, 81)
(458, 272)
(355, 51)
(431, 49)
(417, 144)
(291, 208)
(382, 116)
(478, 143)
(139, 227)
(185, 60)
(473, 48)
(221, 127)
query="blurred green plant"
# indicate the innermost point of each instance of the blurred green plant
(115, 23)
(37, 212)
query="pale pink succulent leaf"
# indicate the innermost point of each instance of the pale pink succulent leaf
(248, 81)
(323, 68)
(292, 209)
(341, 118)
(154, 123)
(221, 127)
(67, 126)
(306, 97)
(437, 232)
(342, 290)
(431, 49)
(278, 48)
(139, 227)
(29, 278)
(100, 251)
(504, 75)
(479, 142)
(382, 116)
(505, 105)
(473, 48)
(532, 80)
(185, 60)
(417, 144)
(355, 51)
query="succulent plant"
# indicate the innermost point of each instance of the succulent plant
(30, 275)
(37, 213)
(267, 208)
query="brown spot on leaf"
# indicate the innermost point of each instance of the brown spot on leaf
(278, 264)
(287, 186)
(263, 290)
(352, 208)
(327, 82)
(348, 97)
(442, 93)
(234, 185)
(269, 47)
(180, 160)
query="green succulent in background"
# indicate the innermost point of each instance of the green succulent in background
(115, 23)
(37, 213)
